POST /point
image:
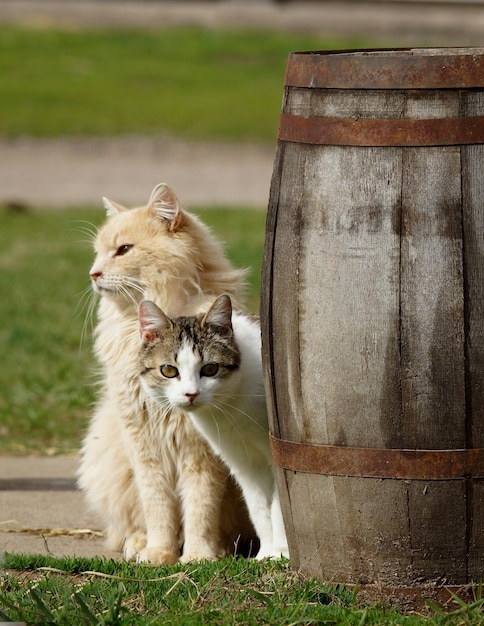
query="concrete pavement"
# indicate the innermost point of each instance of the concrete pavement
(42, 512)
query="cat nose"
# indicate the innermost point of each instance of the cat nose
(192, 396)
(95, 275)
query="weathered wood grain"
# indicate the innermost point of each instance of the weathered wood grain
(373, 334)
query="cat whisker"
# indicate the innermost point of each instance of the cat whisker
(226, 405)
(243, 395)
(123, 289)
(86, 228)
(127, 286)
(89, 321)
(134, 282)
(86, 296)
(86, 243)
(87, 302)
(234, 424)
(157, 415)
(85, 225)
(159, 421)
(215, 421)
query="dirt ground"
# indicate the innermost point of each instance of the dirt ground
(67, 172)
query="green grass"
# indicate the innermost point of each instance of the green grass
(44, 590)
(46, 377)
(194, 83)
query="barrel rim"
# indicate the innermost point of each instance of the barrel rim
(387, 68)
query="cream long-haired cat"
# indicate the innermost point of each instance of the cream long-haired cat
(154, 480)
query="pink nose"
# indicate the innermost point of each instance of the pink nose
(95, 275)
(192, 396)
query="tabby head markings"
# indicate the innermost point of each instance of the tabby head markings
(188, 362)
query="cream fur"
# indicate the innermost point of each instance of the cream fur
(155, 481)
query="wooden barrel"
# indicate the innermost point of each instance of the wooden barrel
(373, 314)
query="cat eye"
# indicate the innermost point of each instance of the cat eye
(169, 371)
(210, 369)
(126, 247)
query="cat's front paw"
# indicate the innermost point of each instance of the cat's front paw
(203, 551)
(135, 549)
(199, 555)
(158, 556)
(269, 552)
(133, 545)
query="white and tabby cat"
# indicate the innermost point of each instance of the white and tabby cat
(210, 366)
(153, 479)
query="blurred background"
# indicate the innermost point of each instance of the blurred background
(110, 97)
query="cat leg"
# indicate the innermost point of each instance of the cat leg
(105, 476)
(257, 491)
(133, 545)
(202, 486)
(162, 515)
(259, 510)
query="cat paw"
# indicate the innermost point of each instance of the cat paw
(272, 553)
(133, 545)
(136, 549)
(202, 554)
(158, 556)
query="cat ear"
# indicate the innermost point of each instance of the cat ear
(164, 203)
(152, 321)
(112, 208)
(220, 314)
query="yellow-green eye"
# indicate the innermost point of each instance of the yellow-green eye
(169, 371)
(210, 369)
